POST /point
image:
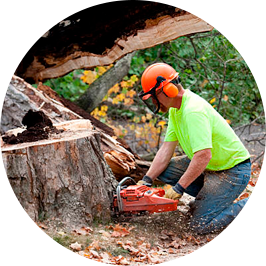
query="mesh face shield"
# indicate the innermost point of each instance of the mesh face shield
(150, 98)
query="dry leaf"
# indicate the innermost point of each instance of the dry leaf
(75, 246)
(119, 231)
(154, 259)
(211, 240)
(94, 245)
(171, 251)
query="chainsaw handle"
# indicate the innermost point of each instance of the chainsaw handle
(124, 180)
(118, 196)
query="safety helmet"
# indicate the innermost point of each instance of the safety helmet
(149, 76)
(155, 77)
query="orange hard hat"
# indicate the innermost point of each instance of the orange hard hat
(149, 77)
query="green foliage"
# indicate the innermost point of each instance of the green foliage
(210, 66)
(70, 86)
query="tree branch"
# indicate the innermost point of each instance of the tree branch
(247, 10)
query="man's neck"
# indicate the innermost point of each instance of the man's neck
(178, 99)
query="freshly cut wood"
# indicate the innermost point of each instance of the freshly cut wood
(21, 97)
(64, 178)
(157, 31)
(82, 40)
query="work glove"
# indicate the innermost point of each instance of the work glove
(174, 192)
(146, 181)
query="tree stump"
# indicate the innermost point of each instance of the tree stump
(64, 179)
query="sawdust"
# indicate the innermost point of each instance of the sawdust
(38, 127)
(224, 247)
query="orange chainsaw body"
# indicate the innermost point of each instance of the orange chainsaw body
(141, 198)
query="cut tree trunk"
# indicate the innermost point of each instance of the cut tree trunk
(65, 178)
(21, 97)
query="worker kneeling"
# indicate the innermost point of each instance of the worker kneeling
(217, 167)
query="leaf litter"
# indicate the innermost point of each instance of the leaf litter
(139, 240)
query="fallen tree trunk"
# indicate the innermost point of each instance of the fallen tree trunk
(64, 178)
(102, 34)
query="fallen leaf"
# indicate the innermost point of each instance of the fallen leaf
(244, 196)
(171, 251)
(94, 245)
(193, 240)
(120, 231)
(154, 259)
(209, 239)
(75, 246)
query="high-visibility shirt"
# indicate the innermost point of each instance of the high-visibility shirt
(198, 126)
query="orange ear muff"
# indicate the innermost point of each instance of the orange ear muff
(170, 90)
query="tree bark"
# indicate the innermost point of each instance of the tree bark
(102, 34)
(98, 89)
(64, 179)
(21, 97)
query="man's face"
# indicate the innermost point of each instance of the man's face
(160, 96)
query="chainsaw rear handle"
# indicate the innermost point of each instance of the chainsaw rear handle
(118, 189)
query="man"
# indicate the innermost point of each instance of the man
(217, 166)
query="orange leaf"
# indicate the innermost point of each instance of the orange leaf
(28, 262)
(119, 231)
(244, 196)
(209, 239)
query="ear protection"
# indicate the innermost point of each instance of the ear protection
(171, 89)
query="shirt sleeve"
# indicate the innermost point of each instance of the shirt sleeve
(199, 131)
(170, 132)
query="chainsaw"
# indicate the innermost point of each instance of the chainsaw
(138, 199)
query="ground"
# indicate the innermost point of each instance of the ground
(135, 240)
(157, 239)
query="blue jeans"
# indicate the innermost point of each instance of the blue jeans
(215, 192)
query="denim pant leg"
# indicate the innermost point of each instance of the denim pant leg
(214, 208)
(174, 171)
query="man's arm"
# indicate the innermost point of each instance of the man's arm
(162, 159)
(197, 165)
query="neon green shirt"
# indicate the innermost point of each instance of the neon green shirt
(198, 126)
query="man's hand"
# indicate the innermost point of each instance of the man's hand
(171, 194)
(146, 181)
